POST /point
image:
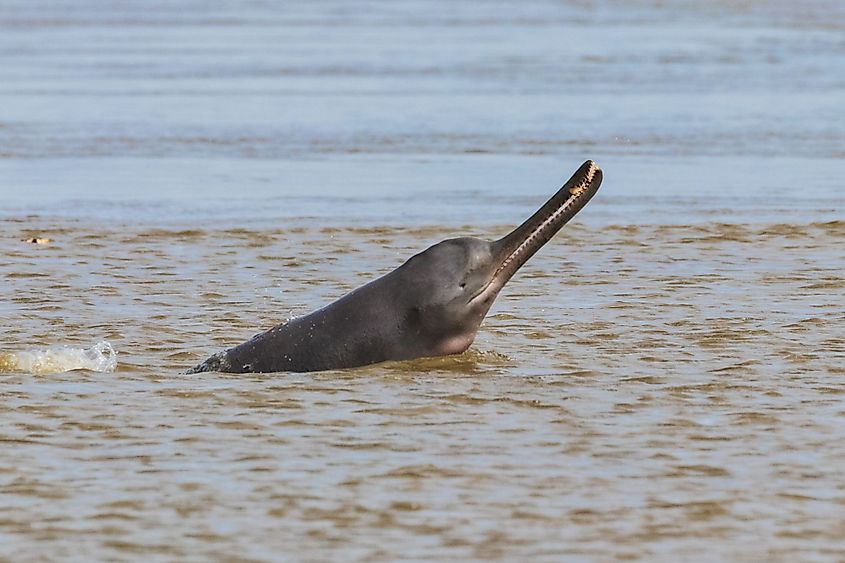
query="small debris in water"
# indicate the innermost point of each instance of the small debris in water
(38, 240)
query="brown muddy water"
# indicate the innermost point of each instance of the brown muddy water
(638, 391)
(662, 381)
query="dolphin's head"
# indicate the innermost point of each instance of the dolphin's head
(451, 286)
(442, 283)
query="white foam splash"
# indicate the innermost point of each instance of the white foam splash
(56, 359)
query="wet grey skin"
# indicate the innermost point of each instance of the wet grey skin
(432, 305)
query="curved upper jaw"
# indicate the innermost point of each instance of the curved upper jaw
(514, 249)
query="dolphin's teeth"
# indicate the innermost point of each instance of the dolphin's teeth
(586, 181)
(576, 190)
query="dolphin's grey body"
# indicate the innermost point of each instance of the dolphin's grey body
(431, 305)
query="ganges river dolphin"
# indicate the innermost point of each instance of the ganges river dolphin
(432, 305)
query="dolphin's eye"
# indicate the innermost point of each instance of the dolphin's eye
(463, 285)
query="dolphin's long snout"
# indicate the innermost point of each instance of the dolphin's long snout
(514, 249)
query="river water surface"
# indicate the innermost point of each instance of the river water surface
(662, 381)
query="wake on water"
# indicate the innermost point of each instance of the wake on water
(56, 359)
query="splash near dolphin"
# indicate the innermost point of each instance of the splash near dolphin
(100, 357)
(432, 305)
